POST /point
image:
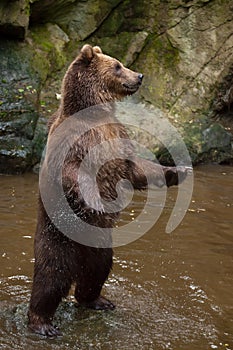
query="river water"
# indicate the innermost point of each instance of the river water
(172, 291)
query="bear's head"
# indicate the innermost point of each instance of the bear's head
(94, 78)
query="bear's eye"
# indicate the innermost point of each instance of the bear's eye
(117, 67)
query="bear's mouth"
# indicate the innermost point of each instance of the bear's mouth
(131, 88)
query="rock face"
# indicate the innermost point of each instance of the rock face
(190, 57)
(14, 18)
(184, 48)
(18, 99)
(25, 68)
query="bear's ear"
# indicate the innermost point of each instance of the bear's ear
(87, 53)
(97, 49)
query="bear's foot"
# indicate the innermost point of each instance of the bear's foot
(100, 303)
(39, 325)
(46, 329)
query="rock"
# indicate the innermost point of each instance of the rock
(43, 11)
(217, 142)
(159, 135)
(134, 43)
(216, 137)
(25, 68)
(50, 40)
(190, 57)
(79, 19)
(15, 154)
(14, 18)
(18, 112)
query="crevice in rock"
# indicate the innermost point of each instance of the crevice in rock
(105, 18)
(222, 106)
(214, 27)
(190, 13)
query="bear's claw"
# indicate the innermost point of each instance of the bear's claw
(46, 329)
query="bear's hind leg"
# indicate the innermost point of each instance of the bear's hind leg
(47, 292)
(91, 279)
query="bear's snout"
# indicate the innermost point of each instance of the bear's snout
(132, 85)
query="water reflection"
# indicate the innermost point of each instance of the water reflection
(172, 291)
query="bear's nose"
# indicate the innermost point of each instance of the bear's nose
(140, 77)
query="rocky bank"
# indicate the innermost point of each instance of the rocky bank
(184, 48)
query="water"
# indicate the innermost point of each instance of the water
(172, 291)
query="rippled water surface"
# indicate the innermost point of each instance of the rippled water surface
(172, 291)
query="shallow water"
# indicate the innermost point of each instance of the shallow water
(172, 291)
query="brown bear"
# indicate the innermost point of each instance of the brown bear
(92, 79)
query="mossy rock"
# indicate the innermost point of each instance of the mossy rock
(15, 154)
(125, 47)
(14, 18)
(79, 19)
(160, 71)
(26, 66)
(50, 41)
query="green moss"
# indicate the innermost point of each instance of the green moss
(115, 46)
(162, 53)
(40, 65)
(27, 8)
(3, 116)
(41, 38)
(49, 48)
(161, 71)
(111, 25)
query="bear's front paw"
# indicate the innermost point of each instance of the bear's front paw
(176, 175)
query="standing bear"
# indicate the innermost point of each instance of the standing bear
(85, 260)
